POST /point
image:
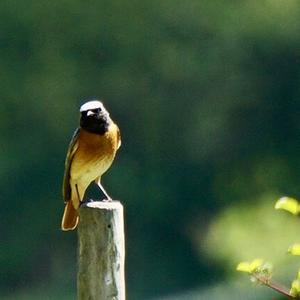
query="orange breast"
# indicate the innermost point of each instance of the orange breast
(94, 155)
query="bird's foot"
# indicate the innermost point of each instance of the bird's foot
(86, 201)
(107, 200)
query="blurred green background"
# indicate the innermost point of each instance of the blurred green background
(207, 96)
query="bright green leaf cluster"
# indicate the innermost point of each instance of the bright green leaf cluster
(289, 204)
(250, 267)
(294, 249)
(295, 288)
(260, 270)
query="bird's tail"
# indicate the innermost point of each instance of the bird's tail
(70, 217)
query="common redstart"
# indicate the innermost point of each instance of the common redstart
(91, 152)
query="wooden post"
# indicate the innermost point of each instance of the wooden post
(101, 251)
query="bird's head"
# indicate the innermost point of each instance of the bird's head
(94, 117)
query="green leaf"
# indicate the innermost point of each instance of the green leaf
(250, 267)
(243, 267)
(294, 250)
(295, 288)
(289, 204)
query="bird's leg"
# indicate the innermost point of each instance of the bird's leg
(76, 186)
(102, 189)
(77, 191)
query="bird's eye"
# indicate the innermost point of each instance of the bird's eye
(95, 110)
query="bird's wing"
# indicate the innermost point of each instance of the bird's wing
(71, 151)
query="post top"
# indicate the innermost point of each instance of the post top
(109, 205)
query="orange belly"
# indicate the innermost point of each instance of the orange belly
(92, 159)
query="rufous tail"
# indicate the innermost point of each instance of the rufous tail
(70, 217)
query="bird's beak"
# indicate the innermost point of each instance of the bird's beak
(90, 113)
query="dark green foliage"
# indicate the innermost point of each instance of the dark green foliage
(206, 94)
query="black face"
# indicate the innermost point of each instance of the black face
(95, 121)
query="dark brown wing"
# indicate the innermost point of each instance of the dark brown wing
(71, 151)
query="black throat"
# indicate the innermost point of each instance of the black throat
(94, 125)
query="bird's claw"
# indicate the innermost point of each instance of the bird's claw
(107, 200)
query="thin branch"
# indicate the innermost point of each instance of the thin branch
(275, 286)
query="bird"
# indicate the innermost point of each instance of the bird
(90, 154)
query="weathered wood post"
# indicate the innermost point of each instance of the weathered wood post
(101, 251)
